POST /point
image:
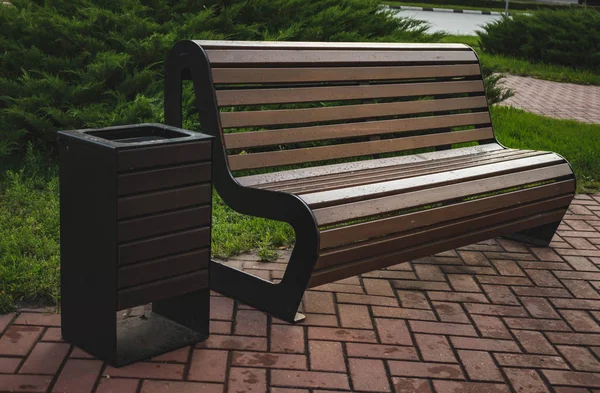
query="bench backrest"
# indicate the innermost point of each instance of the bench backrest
(289, 103)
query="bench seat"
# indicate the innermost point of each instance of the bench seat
(376, 154)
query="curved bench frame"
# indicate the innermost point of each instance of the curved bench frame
(283, 299)
(188, 60)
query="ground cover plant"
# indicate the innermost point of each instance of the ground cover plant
(567, 37)
(91, 63)
(517, 66)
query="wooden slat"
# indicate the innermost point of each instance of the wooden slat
(162, 246)
(153, 180)
(347, 195)
(338, 93)
(334, 74)
(241, 140)
(163, 223)
(321, 153)
(352, 233)
(346, 112)
(225, 44)
(400, 167)
(402, 240)
(229, 57)
(472, 236)
(347, 167)
(163, 289)
(387, 176)
(156, 202)
(437, 193)
(168, 154)
(144, 272)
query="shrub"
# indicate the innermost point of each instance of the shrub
(92, 63)
(566, 37)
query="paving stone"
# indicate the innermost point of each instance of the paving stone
(250, 380)
(180, 387)
(425, 370)
(526, 381)
(45, 358)
(267, 360)
(435, 348)
(368, 375)
(208, 365)
(17, 340)
(78, 376)
(117, 385)
(327, 356)
(381, 351)
(309, 379)
(479, 366)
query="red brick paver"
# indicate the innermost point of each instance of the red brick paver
(493, 317)
(554, 99)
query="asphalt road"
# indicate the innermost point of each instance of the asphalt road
(452, 23)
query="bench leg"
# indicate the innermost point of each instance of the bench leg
(538, 236)
(279, 301)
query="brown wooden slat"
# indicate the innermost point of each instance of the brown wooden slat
(375, 171)
(163, 223)
(386, 176)
(335, 131)
(173, 154)
(321, 153)
(338, 93)
(469, 237)
(348, 167)
(268, 45)
(146, 181)
(330, 74)
(157, 202)
(436, 193)
(398, 241)
(144, 272)
(162, 246)
(163, 289)
(229, 57)
(346, 112)
(352, 233)
(371, 191)
(401, 167)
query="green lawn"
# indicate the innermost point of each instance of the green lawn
(29, 234)
(511, 65)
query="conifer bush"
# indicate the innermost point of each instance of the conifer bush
(565, 37)
(92, 63)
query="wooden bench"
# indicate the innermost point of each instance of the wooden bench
(326, 127)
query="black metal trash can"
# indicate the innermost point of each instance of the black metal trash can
(135, 228)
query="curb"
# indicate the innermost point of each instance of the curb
(408, 7)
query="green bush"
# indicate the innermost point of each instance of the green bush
(567, 37)
(92, 63)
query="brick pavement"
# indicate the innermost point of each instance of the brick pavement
(491, 317)
(554, 99)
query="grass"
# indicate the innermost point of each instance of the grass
(29, 209)
(511, 65)
(29, 234)
(579, 143)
